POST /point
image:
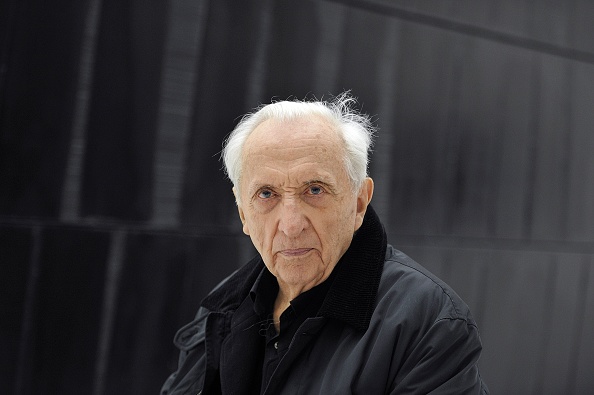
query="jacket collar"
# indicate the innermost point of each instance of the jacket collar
(350, 299)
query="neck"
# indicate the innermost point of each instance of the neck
(280, 305)
(283, 300)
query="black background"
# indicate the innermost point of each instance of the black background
(116, 219)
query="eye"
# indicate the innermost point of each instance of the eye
(265, 194)
(315, 190)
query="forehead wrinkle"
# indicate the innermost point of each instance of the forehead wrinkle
(292, 156)
(274, 157)
(302, 129)
(312, 135)
(304, 149)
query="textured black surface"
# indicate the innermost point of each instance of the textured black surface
(483, 168)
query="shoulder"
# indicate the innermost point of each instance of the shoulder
(230, 292)
(407, 287)
(434, 340)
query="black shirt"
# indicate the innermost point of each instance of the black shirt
(275, 345)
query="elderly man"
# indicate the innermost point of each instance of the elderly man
(327, 306)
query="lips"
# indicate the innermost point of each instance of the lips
(296, 251)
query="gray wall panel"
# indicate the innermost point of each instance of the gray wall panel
(512, 329)
(584, 352)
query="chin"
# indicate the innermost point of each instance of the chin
(297, 274)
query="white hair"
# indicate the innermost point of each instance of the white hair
(354, 128)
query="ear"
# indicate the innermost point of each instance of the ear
(241, 213)
(363, 200)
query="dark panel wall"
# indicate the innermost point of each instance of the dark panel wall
(115, 218)
(123, 110)
(40, 57)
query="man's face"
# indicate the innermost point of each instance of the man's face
(297, 202)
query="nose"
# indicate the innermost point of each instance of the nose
(292, 220)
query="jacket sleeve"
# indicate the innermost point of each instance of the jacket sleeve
(190, 340)
(444, 361)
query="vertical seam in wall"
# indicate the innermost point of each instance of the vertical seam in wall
(549, 300)
(577, 336)
(453, 140)
(567, 153)
(24, 363)
(387, 82)
(570, 127)
(329, 47)
(186, 29)
(70, 204)
(498, 160)
(258, 67)
(532, 153)
(109, 310)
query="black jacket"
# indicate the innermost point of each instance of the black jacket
(387, 326)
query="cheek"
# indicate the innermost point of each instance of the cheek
(259, 232)
(337, 229)
(346, 211)
(342, 230)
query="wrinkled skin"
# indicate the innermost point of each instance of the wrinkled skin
(297, 203)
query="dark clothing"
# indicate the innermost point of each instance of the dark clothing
(385, 326)
(275, 346)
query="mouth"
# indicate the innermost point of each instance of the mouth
(296, 252)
